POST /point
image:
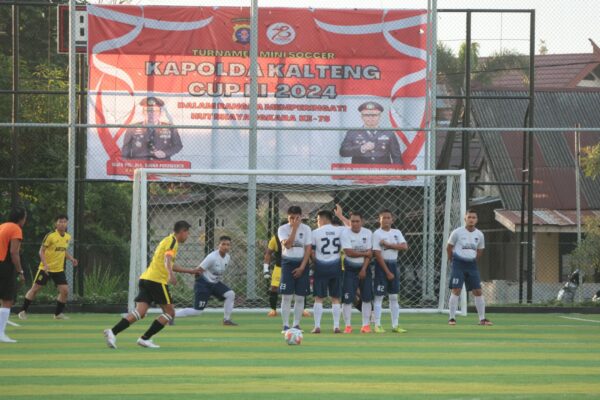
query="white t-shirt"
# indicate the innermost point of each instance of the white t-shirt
(214, 266)
(361, 241)
(301, 240)
(466, 243)
(393, 236)
(327, 243)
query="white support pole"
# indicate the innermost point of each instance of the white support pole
(134, 257)
(71, 136)
(143, 260)
(445, 235)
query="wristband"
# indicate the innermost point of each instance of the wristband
(265, 267)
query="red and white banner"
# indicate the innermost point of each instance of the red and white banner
(317, 69)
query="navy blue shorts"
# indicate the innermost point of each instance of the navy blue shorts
(328, 285)
(464, 272)
(382, 285)
(203, 289)
(290, 285)
(352, 284)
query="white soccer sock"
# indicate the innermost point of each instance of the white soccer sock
(377, 308)
(366, 313)
(4, 313)
(480, 306)
(318, 313)
(228, 304)
(298, 309)
(286, 308)
(453, 305)
(394, 309)
(347, 311)
(336, 310)
(187, 312)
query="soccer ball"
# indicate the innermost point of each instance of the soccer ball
(293, 336)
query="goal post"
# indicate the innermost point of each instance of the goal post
(215, 203)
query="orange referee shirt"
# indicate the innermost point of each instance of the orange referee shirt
(8, 232)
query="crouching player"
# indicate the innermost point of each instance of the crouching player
(209, 283)
(153, 289)
(357, 245)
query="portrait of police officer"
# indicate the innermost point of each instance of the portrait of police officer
(370, 145)
(147, 143)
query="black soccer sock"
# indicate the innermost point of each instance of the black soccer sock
(121, 326)
(26, 304)
(60, 307)
(153, 330)
(273, 300)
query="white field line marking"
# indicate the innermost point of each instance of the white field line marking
(579, 319)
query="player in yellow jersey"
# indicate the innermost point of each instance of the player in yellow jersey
(53, 252)
(153, 288)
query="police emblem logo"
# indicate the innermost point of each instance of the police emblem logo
(300, 235)
(364, 240)
(241, 30)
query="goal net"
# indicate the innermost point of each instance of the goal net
(249, 206)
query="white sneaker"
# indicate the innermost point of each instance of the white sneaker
(23, 315)
(6, 339)
(111, 339)
(61, 316)
(147, 343)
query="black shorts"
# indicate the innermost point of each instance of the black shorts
(153, 292)
(41, 278)
(8, 280)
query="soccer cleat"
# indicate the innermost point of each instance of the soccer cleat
(111, 339)
(228, 322)
(336, 330)
(61, 316)
(397, 329)
(485, 322)
(452, 321)
(285, 329)
(348, 329)
(147, 343)
(272, 313)
(379, 329)
(316, 329)
(6, 339)
(298, 327)
(306, 313)
(365, 329)
(22, 315)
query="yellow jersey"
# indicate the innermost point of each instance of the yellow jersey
(157, 272)
(55, 248)
(275, 246)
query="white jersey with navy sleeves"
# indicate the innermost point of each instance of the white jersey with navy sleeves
(466, 243)
(326, 242)
(393, 236)
(358, 241)
(214, 266)
(301, 240)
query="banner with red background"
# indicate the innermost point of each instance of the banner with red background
(316, 69)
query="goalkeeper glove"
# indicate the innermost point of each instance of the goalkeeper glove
(266, 273)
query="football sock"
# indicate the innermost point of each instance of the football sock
(336, 310)
(4, 313)
(366, 313)
(480, 306)
(298, 309)
(153, 330)
(453, 305)
(60, 307)
(228, 305)
(26, 304)
(394, 309)
(120, 326)
(377, 308)
(286, 308)
(347, 310)
(187, 312)
(273, 300)
(318, 312)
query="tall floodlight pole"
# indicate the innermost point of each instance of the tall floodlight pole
(71, 133)
(252, 154)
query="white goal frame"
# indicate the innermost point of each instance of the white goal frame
(139, 216)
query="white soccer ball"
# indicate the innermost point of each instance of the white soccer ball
(293, 336)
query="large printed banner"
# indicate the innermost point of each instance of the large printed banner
(362, 70)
